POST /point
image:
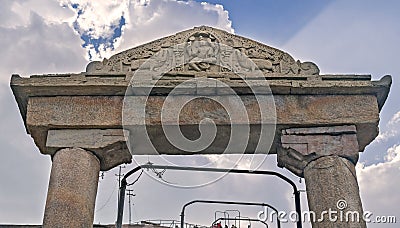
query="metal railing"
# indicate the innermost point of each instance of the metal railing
(230, 203)
(240, 219)
(124, 184)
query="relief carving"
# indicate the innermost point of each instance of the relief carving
(204, 49)
(202, 52)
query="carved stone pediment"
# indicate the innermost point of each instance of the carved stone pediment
(204, 49)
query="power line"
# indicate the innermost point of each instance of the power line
(108, 199)
(136, 179)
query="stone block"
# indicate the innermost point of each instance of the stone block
(109, 145)
(300, 146)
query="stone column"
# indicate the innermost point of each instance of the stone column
(72, 189)
(326, 158)
(78, 157)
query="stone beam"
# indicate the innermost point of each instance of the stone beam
(94, 101)
(104, 112)
(326, 158)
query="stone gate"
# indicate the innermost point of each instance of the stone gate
(91, 121)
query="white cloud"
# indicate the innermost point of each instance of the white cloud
(393, 154)
(98, 22)
(391, 129)
(154, 19)
(379, 185)
(16, 13)
(92, 19)
(40, 47)
(395, 119)
(386, 135)
(144, 21)
(32, 44)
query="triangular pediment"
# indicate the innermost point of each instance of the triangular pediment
(186, 52)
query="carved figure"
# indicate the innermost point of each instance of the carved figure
(199, 48)
(263, 64)
(162, 58)
(251, 64)
(178, 57)
(201, 52)
(94, 66)
(309, 68)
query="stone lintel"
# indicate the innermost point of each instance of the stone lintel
(105, 112)
(115, 84)
(300, 146)
(108, 145)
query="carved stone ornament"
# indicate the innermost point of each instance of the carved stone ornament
(204, 49)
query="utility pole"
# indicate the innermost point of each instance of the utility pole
(129, 194)
(119, 175)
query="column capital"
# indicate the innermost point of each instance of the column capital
(108, 145)
(300, 146)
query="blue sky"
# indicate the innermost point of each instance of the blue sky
(275, 21)
(48, 36)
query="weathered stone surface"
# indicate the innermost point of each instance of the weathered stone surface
(331, 184)
(72, 189)
(335, 130)
(90, 112)
(109, 145)
(325, 157)
(300, 146)
(341, 140)
(116, 84)
(204, 49)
